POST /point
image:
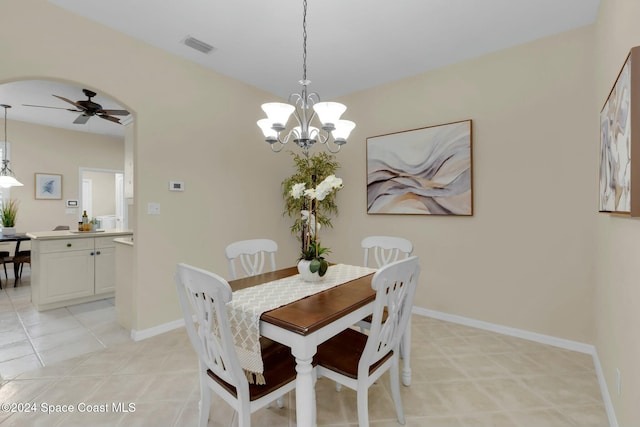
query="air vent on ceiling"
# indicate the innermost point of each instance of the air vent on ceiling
(198, 45)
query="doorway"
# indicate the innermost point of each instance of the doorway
(102, 196)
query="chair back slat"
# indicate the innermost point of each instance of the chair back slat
(252, 255)
(203, 296)
(386, 249)
(395, 285)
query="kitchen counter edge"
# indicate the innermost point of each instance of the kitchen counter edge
(66, 234)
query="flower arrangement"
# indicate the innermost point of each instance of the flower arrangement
(311, 249)
(309, 170)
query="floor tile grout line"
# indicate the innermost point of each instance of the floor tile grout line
(24, 328)
(89, 330)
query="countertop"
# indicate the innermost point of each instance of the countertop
(70, 234)
(125, 240)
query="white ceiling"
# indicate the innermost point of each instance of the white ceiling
(352, 44)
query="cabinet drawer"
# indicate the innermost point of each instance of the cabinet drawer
(61, 245)
(105, 242)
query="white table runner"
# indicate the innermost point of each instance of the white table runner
(248, 304)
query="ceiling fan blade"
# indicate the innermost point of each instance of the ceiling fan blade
(70, 102)
(55, 108)
(115, 112)
(81, 119)
(111, 119)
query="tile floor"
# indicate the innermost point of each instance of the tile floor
(30, 339)
(461, 377)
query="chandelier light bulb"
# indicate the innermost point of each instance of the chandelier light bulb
(343, 130)
(269, 133)
(278, 114)
(329, 113)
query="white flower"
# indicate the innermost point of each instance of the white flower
(310, 193)
(322, 190)
(297, 190)
(333, 182)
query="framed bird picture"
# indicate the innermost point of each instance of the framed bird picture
(48, 186)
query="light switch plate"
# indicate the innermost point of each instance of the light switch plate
(153, 208)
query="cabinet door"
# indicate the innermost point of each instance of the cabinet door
(66, 275)
(105, 270)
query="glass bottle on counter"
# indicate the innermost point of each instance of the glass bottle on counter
(85, 218)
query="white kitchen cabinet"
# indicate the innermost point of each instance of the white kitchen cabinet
(105, 265)
(73, 269)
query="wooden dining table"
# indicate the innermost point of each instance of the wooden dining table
(304, 324)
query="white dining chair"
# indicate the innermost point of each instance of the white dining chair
(356, 360)
(203, 296)
(251, 254)
(384, 250)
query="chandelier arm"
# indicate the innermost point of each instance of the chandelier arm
(329, 147)
(310, 98)
(276, 150)
(295, 98)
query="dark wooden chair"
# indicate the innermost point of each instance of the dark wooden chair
(4, 259)
(19, 260)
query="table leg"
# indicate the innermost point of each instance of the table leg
(305, 394)
(16, 267)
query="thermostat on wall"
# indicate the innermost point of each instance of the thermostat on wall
(72, 203)
(176, 185)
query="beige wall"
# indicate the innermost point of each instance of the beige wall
(524, 259)
(44, 149)
(618, 270)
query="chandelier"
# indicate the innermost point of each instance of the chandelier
(305, 107)
(7, 178)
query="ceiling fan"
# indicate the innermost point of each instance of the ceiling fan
(88, 108)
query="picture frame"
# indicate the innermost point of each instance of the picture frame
(425, 171)
(619, 168)
(48, 186)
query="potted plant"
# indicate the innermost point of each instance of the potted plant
(312, 265)
(309, 170)
(9, 212)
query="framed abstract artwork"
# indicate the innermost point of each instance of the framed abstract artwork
(424, 171)
(48, 186)
(620, 142)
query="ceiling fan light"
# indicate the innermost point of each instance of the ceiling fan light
(329, 113)
(278, 113)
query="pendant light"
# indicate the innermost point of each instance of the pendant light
(7, 178)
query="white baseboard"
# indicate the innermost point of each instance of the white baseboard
(506, 330)
(532, 336)
(606, 397)
(139, 335)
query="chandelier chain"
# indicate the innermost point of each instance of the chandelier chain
(304, 41)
